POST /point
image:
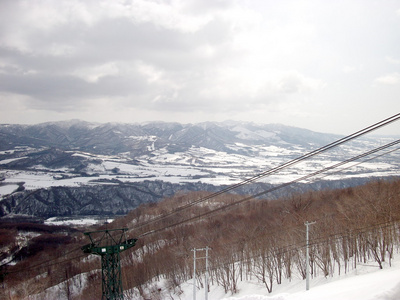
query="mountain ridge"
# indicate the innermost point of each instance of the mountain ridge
(85, 135)
(77, 154)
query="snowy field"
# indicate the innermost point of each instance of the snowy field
(83, 221)
(198, 164)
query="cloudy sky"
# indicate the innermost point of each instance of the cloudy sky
(329, 66)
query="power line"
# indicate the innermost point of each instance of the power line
(340, 170)
(359, 163)
(48, 263)
(278, 168)
(301, 244)
(306, 177)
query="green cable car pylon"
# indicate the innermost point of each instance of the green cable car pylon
(109, 247)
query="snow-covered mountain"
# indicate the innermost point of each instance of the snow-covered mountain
(116, 138)
(77, 154)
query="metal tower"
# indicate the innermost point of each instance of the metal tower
(109, 247)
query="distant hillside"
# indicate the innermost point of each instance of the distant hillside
(114, 138)
(118, 198)
(76, 167)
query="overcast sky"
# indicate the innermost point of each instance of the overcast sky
(329, 66)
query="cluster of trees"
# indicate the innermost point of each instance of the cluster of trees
(36, 250)
(260, 240)
(265, 240)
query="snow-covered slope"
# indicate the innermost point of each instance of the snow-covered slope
(375, 285)
(367, 282)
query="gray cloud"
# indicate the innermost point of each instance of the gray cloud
(214, 59)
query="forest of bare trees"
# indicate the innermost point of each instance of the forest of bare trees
(265, 240)
(262, 240)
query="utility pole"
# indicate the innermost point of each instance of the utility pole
(109, 247)
(194, 271)
(206, 279)
(308, 257)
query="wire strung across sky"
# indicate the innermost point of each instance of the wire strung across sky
(287, 248)
(276, 169)
(306, 177)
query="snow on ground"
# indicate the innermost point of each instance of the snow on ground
(215, 175)
(380, 285)
(6, 189)
(367, 282)
(7, 161)
(198, 164)
(38, 179)
(77, 221)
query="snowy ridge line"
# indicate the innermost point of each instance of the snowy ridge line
(283, 166)
(230, 205)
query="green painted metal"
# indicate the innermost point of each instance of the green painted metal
(109, 247)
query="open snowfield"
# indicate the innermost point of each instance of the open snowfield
(77, 221)
(198, 165)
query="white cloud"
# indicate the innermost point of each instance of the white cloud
(94, 73)
(392, 60)
(349, 69)
(390, 79)
(34, 19)
(295, 82)
(171, 14)
(190, 58)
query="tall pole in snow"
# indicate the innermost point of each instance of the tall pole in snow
(206, 280)
(194, 273)
(308, 257)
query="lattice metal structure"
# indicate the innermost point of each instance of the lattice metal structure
(109, 246)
